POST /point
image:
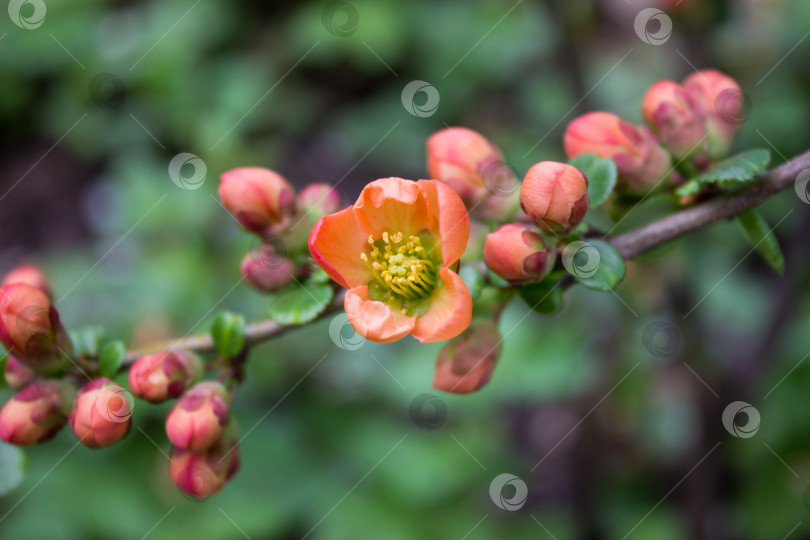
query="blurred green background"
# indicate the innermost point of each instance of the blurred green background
(614, 436)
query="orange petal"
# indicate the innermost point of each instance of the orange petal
(373, 319)
(393, 205)
(451, 222)
(336, 243)
(450, 310)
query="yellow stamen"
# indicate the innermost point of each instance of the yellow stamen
(399, 263)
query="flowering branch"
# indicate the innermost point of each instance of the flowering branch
(637, 241)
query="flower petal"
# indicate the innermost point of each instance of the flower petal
(336, 243)
(450, 310)
(373, 319)
(451, 222)
(393, 205)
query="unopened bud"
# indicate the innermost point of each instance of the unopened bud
(723, 105)
(642, 163)
(671, 112)
(518, 254)
(317, 200)
(29, 275)
(265, 270)
(203, 474)
(258, 198)
(198, 419)
(101, 413)
(165, 375)
(555, 196)
(474, 167)
(35, 414)
(18, 374)
(30, 328)
(465, 363)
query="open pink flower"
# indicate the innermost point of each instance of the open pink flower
(393, 250)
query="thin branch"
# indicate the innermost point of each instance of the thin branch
(629, 244)
(637, 241)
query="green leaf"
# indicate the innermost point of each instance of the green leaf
(545, 297)
(595, 264)
(228, 333)
(319, 276)
(734, 170)
(473, 279)
(3, 360)
(601, 173)
(299, 305)
(87, 341)
(12, 468)
(756, 229)
(111, 358)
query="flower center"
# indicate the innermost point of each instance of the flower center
(401, 265)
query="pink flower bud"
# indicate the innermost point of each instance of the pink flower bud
(555, 196)
(267, 271)
(465, 363)
(101, 413)
(18, 374)
(317, 200)
(30, 275)
(198, 419)
(674, 116)
(722, 103)
(474, 167)
(642, 162)
(258, 198)
(165, 375)
(30, 328)
(518, 254)
(35, 414)
(203, 474)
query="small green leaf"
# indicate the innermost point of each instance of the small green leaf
(319, 276)
(12, 468)
(228, 333)
(734, 170)
(545, 297)
(473, 279)
(87, 341)
(3, 360)
(299, 305)
(595, 264)
(601, 173)
(111, 357)
(756, 229)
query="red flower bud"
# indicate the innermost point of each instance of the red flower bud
(642, 163)
(465, 363)
(555, 196)
(165, 375)
(35, 414)
(518, 254)
(266, 270)
(203, 474)
(258, 198)
(676, 118)
(101, 413)
(722, 103)
(198, 419)
(317, 200)
(30, 328)
(474, 167)
(18, 374)
(30, 275)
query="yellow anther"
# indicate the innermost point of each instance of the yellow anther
(398, 263)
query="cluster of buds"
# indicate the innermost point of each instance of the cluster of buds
(694, 122)
(265, 204)
(205, 439)
(39, 355)
(520, 250)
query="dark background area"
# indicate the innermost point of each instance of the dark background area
(616, 429)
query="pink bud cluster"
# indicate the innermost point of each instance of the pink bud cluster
(266, 204)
